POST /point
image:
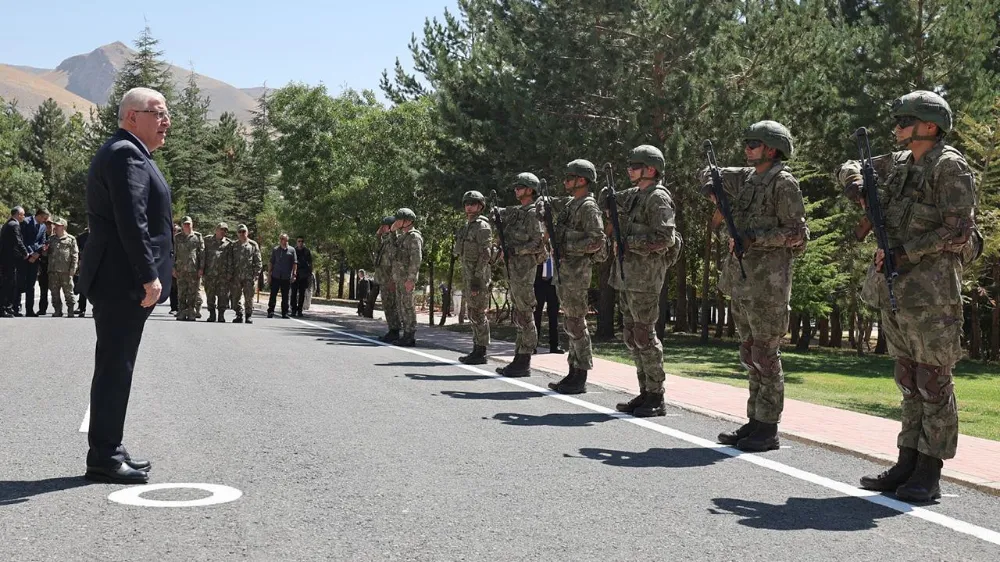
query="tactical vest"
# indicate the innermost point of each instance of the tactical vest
(671, 254)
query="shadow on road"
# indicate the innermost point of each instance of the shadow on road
(552, 420)
(501, 396)
(654, 458)
(797, 514)
(414, 364)
(18, 491)
(460, 378)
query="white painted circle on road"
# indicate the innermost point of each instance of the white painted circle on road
(133, 495)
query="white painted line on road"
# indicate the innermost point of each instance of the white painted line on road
(982, 533)
(133, 496)
(85, 426)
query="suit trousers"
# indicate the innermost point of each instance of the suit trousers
(8, 286)
(119, 325)
(26, 285)
(299, 288)
(546, 296)
(43, 284)
(276, 285)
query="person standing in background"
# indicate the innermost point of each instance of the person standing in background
(283, 267)
(303, 276)
(33, 234)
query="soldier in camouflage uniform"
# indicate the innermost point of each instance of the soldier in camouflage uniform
(189, 265)
(928, 198)
(244, 265)
(64, 258)
(406, 257)
(474, 249)
(581, 243)
(217, 274)
(646, 216)
(767, 209)
(383, 274)
(526, 242)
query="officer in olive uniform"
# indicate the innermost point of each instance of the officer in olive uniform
(928, 198)
(383, 274)
(769, 214)
(406, 257)
(474, 249)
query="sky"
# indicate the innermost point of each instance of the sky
(244, 43)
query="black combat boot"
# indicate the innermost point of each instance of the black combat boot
(407, 340)
(248, 320)
(520, 367)
(211, 316)
(924, 484)
(575, 383)
(238, 319)
(732, 437)
(390, 336)
(222, 316)
(477, 357)
(895, 476)
(652, 407)
(763, 438)
(631, 405)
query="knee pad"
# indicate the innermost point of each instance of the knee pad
(645, 336)
(905, 375)
(934, 383)
(628, 334)
(576, 327)
(766, 357)
(746, 357)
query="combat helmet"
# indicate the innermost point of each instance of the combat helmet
(926, 106)
(582, 168)
(527, 179)
(406, 214)
(648, 155)
(473, 197)
(773, 134)
(387, 221)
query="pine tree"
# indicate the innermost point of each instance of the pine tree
(20, 183)
(261, 168)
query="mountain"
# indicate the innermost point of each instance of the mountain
(31, 89)
(90, 77)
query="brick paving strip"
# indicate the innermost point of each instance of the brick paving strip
(977, 464)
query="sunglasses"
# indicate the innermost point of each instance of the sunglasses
(754, 144)
(570, 177)
(904, 121)
(636, 166)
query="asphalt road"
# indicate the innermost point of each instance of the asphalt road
(346, 449)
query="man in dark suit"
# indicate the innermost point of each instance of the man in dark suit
(303, 276)
(126, 271)
(33, 233)
(81, 301)
(13, 254)
(545, 296)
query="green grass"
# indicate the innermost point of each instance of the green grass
(834, 378)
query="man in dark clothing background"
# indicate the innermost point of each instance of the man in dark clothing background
(545, 296)
(33, 234)
(303, 277)
(283, 270)
(81, 306)
(364, 288)
(13, 254)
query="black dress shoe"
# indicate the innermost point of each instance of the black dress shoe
(139, 464)
(122, 474)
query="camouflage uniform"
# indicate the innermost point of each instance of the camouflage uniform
(217, 274)
(768, 211)
(245, 265)
(383, 274)
(929, 207)
(189, 259)
(406, 257)
(474, 249)
(652, 245)
(525, 240)
(581, 242)
(64, 257)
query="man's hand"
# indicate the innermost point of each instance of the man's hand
(153, 289)
(898, 253)
(408, 285)
(32, 258)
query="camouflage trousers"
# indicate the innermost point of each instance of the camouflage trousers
(639, 314)
(926, 342)
(188, 295)
(217, 292)
(475, 309)
(62, 282)
(573, 302)
(761, 323)
(242, 290)
(522, 311)
(390, 307)
(406, 313)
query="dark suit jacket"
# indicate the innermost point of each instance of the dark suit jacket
(12, 248)
(131, 223)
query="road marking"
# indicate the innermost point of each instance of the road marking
(133, 495)
(85, 426)
(982, 533)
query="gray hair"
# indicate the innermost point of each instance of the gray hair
(283, 235)
(16, 211)
(137, 98)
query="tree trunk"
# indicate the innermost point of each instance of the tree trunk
(692, 311)
(350, 287)
(720, 306)
(794, 325)
(730, 321)
(606, 304)
(806, 336)
(881, 345)
(705, 270)
(836, 328)
(664, 310)
(681, 324)
(995, 319)
(823, 325)
(340, 287)
(329, 285)
(461, 311)
(430, 277)
(976, 336)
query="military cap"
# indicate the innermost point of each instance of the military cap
(187, 220)
(405, 214)
(474, 197)
(59, 221)
(241, 228)
(223, 225)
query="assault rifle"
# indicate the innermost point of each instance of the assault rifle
(550, 227)
(615, 225)
(873, 209)
(498, 222)
(722, 202)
